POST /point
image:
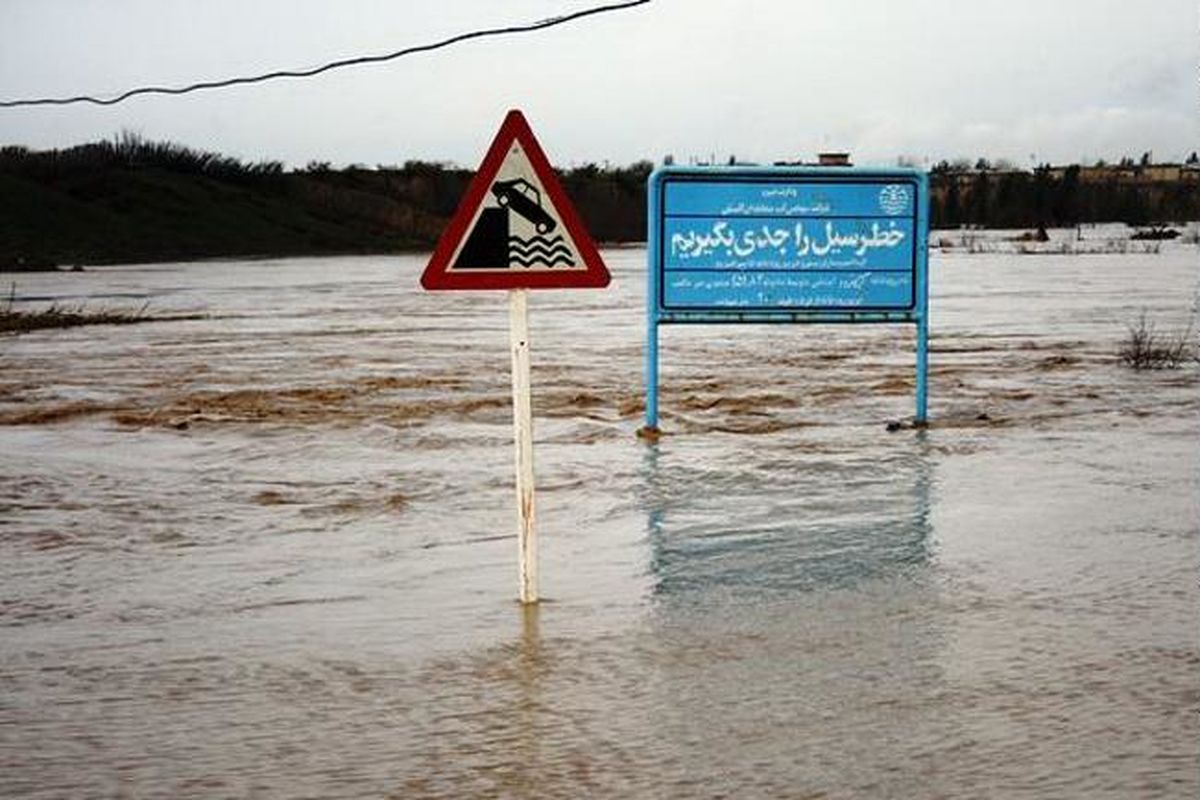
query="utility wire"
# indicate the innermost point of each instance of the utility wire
(308, 73)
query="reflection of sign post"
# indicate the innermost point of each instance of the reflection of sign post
(787, 245)
(515, 229)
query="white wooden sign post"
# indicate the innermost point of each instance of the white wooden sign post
(515, 229)
(518, 334)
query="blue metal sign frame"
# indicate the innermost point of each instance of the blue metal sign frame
(787, 245)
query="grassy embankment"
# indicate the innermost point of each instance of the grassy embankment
(87, 209)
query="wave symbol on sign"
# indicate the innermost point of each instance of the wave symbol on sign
(539, 250)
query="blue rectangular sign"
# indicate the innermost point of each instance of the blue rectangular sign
(792, 241)
(787, 244)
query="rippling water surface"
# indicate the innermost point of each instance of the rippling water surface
(270, 552)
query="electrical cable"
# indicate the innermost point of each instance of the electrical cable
(347, 62)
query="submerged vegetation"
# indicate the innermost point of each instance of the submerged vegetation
(55, 316)
(24, 320)
(132, 200)
(975, 243)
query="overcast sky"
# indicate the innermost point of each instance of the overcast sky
(1026, 80)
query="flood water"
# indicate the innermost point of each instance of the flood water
(270, 552)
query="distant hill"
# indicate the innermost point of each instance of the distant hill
(129, 201)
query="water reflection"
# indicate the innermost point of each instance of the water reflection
(785, 523)
(799, 619)
(530, 666)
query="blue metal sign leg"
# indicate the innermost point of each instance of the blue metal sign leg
(652, 374)
(922, 417)
(922, 369)
(652, 267)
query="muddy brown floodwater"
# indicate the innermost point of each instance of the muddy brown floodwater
(271, 552)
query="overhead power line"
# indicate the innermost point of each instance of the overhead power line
(308, 73)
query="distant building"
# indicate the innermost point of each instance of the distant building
(1162, 172)
(1134, 173)
(833, 159)
(823, 160)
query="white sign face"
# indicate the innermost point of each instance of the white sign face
(517, 227)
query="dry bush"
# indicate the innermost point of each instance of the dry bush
(1146, 348)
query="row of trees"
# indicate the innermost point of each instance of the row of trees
(131, 151)
(1055, 198)
(611, 200)
(133, 200)
(1005, 165)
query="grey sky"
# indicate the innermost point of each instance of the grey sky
(1045, 80)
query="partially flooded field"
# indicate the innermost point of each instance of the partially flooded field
(268, 549)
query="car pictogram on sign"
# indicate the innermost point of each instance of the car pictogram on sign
(524, 198)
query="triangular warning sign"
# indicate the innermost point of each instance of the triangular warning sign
(515, 227)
